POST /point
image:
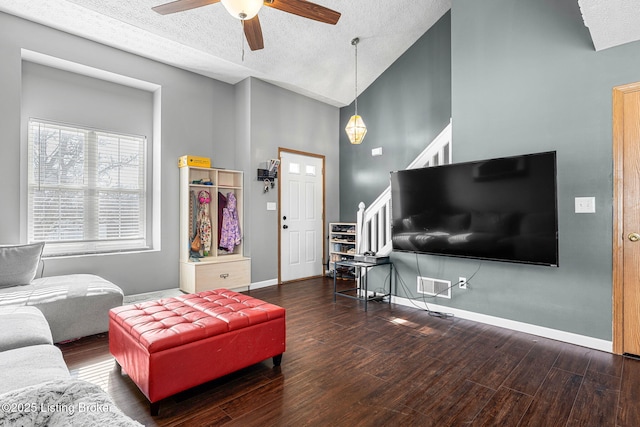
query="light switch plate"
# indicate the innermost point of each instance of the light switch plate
(585, 204)
(271, 206)
(376, 151)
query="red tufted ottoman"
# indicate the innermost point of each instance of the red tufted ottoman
(170, 345)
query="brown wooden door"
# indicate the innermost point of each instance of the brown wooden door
(626, 230)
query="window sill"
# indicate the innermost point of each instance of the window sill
(98, 254)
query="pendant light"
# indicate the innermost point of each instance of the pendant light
(242, 9)
(356, 129)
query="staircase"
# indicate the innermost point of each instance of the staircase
(374, 223)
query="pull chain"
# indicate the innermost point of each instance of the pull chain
(242, 39)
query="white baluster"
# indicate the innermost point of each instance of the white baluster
(374, 223)
(360, 228)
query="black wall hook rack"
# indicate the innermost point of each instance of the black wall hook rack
(265, 174)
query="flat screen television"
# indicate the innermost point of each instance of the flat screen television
(502, 209)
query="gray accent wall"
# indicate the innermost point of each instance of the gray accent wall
(525, 78)
(404, 109)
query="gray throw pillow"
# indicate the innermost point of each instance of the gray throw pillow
(19, 264)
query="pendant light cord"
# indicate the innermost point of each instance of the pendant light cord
(356, 129)
(355, 43)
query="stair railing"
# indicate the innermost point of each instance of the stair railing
(373, 233)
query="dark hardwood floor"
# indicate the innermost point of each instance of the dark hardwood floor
(390, 366)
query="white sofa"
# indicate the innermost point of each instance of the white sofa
(27, 353)
(75, 305)
(37, 388)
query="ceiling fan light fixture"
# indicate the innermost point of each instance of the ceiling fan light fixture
(242, 9)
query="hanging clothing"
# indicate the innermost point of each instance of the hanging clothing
(195, 244)
(230, 236)
(222, 203)
(204, 223)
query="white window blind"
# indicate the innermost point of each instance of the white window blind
(87, 189)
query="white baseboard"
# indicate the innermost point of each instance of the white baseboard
(554, 334)
(541, 331)
(263, 284)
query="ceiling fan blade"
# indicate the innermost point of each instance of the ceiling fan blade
(181, 5)
(306, 9)
(253, 33)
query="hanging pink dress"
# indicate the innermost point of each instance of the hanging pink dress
(204, 223)
(230, 235)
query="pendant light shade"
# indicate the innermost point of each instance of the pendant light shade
(356, 129)
(243, 9)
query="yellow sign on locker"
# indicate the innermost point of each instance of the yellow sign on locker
(200, 162)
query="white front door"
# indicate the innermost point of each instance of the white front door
(301, 216)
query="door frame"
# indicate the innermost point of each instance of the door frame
(619, 93)
(324, 196)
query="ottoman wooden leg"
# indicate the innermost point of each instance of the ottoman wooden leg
(277, 360)
(154, 408)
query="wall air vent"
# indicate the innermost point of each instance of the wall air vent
(434, 287)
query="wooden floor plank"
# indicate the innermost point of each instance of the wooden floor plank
(553, 403)
(596, 402)
(629, 414)
(574, 359)
(606, 363)
(505, 408)
(392, 365)
(460, 405)
(533, 368)
(495, 370)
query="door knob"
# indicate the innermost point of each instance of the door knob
(285, 226)
(634, 237)
(284, 217)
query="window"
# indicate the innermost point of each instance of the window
(86, 189)
(294, 168)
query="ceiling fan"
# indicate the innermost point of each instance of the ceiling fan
(247, 12)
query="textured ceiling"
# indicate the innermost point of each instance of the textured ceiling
(302, 55)
(611, 22)
(305, 56)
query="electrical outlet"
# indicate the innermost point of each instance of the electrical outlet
(462, 282)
